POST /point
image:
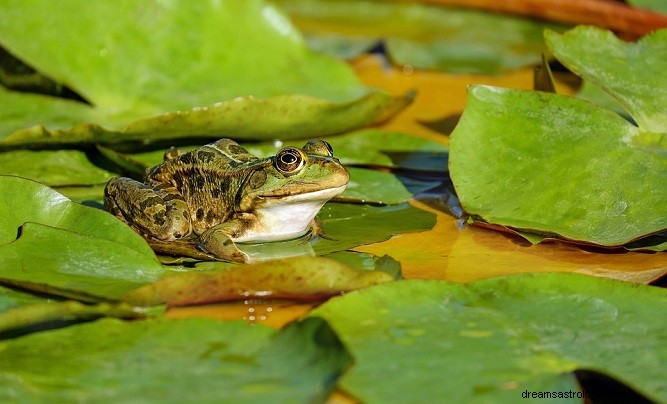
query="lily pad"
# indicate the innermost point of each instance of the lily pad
(27, 318)
(491, 340)
(297, 278)
(53, 167)
(350, 225)
(64, 246)
(24, 200)
(177, 360)
(422, 36)
(158, 58)
(550, 164)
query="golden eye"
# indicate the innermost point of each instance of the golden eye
(289, 161)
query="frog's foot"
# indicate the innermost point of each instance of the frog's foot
(216, 241)
(317, 231)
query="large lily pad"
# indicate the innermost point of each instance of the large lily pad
(557, 165)
(64, 246)
(491, 340)
(173, 360)
(53, 167)
(423, 36)
(160, 58)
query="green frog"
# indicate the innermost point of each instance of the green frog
(201, 203)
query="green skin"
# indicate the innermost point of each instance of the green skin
(200, 203)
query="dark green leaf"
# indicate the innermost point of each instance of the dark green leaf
(199, 360)
(491, 340)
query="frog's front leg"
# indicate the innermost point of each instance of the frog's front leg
(159, 212)
(218, 240)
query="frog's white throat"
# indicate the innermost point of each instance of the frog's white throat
(287, 217)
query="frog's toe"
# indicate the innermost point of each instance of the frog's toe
(221, 246)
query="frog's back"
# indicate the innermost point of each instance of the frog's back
(207, 178)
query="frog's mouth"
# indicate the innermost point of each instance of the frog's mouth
(322, 195)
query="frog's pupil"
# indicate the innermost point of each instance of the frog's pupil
(288, 158)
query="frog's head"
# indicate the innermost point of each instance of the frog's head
(296, 176)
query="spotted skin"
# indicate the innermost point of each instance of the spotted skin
(216, 194)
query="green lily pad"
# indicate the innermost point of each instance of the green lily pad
(351, 225)
(158, 58)
(24, 201)
(495, 339)
(21, 319)
(174, 360)
(53, 167)
(633, 73)
(555, 165)
(67, 248)
(289, 116)
(65, 263)
(297, 278)
(423, 36)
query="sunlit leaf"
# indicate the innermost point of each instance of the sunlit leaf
(297, 278)
(556, 165)
(54, 260)
(633, 73)
(53, 167)
(491, 340)
(289, 116)
(64, 246)
(173, 360)
(421, 36)
(158, 58)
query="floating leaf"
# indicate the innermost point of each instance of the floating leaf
(289, 116)
(66, 247)
(53, 167)
(21, 318)
(65, 263)
(142, 68)
(422, 36)
(177, 360)
(297, 278)
(349, 225)
(491, 340)
(551, 165)
(23, 201)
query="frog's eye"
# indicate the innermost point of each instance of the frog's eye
(289, 161)
(318, 147)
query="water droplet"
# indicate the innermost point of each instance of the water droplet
(408, 69)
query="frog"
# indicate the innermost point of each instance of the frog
(203, 202)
